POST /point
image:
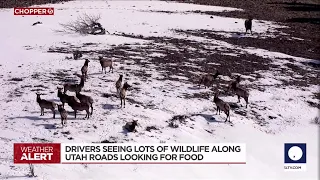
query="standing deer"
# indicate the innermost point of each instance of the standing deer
(119, 84)
(221, 105)
(45, 104)
(123, 93)
(63, 115)
(74, 87)
(207, 79)
(84, 69)
(106, 63)
(248, 24)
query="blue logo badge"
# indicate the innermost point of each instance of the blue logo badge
(295, 153)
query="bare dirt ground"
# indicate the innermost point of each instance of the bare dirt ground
(302, 18)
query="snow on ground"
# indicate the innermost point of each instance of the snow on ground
(274, 116)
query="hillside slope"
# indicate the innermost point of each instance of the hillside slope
(161, 48)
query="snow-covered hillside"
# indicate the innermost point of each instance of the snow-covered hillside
(33, 59)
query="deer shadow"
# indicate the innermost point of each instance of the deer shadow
(95, 73)
(209, 117)
(195, 88)
(14, 177)
(49, 126)
(237, 34)
(125, 132)
(33, 118)
(110, 106)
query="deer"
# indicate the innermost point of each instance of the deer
(131, 126)
(45, 104)
(119, 84)
(64, 98)
(74, 87)
(63, 114)
(241, 93)
(234, 83)
(106, 63)
(85, 99)
(77, 54)
(123, 93)
(207, 79)
(84, 69)
(221, 105)
(248, 24)
(79, 106)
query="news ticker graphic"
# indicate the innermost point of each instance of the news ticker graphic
(295, 156)
(33, 11)
(133, 153)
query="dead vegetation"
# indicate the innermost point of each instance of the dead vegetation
(85, 24)
(175, 121)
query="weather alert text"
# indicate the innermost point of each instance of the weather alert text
(36, 153)
(33, 11)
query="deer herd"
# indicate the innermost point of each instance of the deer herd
(81, 102)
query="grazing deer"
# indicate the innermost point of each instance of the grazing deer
(123, 93)
(45, 104)
(207, 79)
(221, 105)
(63, 115)
(84, 69)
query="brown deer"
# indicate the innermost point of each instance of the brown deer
(84, 69)
(221, 105)
(45, 104)
(123, 93)
(106, 63)
(207, 79)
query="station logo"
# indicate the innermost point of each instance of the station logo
(295, 156)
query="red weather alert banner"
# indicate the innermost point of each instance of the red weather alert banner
(129, 153)
(36, 153)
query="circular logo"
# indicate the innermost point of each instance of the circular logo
(295, 153)
(50, 11)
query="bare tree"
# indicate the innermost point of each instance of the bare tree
(85, 24)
